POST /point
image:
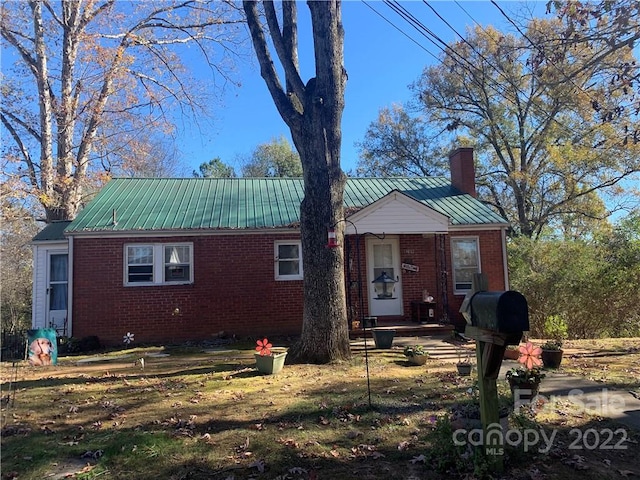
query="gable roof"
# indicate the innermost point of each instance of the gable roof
(170, 204)
(397, 213)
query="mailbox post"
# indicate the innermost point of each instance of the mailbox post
(494, 320)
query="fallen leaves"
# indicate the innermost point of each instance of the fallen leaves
(259, 465)
(93, 454)
(576, 461)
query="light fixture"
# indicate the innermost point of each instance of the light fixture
(384, 285)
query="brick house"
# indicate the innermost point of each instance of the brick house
(183, 259)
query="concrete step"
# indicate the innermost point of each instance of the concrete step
(405, 330)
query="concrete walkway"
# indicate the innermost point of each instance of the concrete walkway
(594, 397)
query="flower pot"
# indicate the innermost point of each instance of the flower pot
(270, 364)
(524, 391)
(417, 359)
(383, 338)
(369, 322)
(464, 369)
(511, 354)
(551, 358)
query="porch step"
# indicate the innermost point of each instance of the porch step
(406, 330)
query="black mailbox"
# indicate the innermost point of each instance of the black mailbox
(502, 312)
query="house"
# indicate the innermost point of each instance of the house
(181, 259)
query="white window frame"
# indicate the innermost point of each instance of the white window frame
(277, 260)
(158, 265)
(455, 267)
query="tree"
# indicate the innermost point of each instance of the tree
(274, 159)
(313, 113)
(612, 25)
(583, 281)
(147, 156)
(17, 229)
(397, 144)
(545, 153)
(215, 168)
(90, 77)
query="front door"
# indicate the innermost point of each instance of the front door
(384, 256)
(57, 292)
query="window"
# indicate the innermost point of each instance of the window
(466, 262)
(177, 261)
(158, 264)
(288, 259)
(140, 264)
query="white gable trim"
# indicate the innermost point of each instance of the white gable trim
(397, 213)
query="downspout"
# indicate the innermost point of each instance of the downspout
(504, 258)
(70, 289)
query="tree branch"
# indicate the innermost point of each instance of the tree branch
(290, 114)
(33, 178)
(286, 53)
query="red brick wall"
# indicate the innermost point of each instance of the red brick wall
(234, 290)
(420, 251)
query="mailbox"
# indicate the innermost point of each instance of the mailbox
(501, 312)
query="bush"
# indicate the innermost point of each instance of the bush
(583, 285)
(78, 345)
(556, 327)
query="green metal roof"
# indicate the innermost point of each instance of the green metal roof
(165, 204)
(52, 232)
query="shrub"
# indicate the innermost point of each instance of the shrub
(556, 327)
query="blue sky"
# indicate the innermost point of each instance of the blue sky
(381, 62)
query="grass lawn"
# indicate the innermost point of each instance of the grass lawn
(194, 414)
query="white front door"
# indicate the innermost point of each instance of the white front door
(384, 256)
(57, 292)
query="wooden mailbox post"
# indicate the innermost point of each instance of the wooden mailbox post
(494, 320)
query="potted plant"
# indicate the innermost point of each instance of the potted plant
(525, 381)
(416, 354)
(555, 328)
(464, 362)
(552, 353)
(269, 360)
(511, 352)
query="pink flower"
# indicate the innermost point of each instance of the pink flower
(264, 347)
(530, 356)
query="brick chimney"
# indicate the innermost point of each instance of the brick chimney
(463, 171)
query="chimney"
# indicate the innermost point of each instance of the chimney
(463, 171)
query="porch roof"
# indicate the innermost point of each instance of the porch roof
(52, 232)
(169, 204)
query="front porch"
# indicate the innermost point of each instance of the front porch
(405, 328)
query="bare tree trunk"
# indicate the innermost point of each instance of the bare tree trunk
(313, 113)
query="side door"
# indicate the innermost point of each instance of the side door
(57, 291)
